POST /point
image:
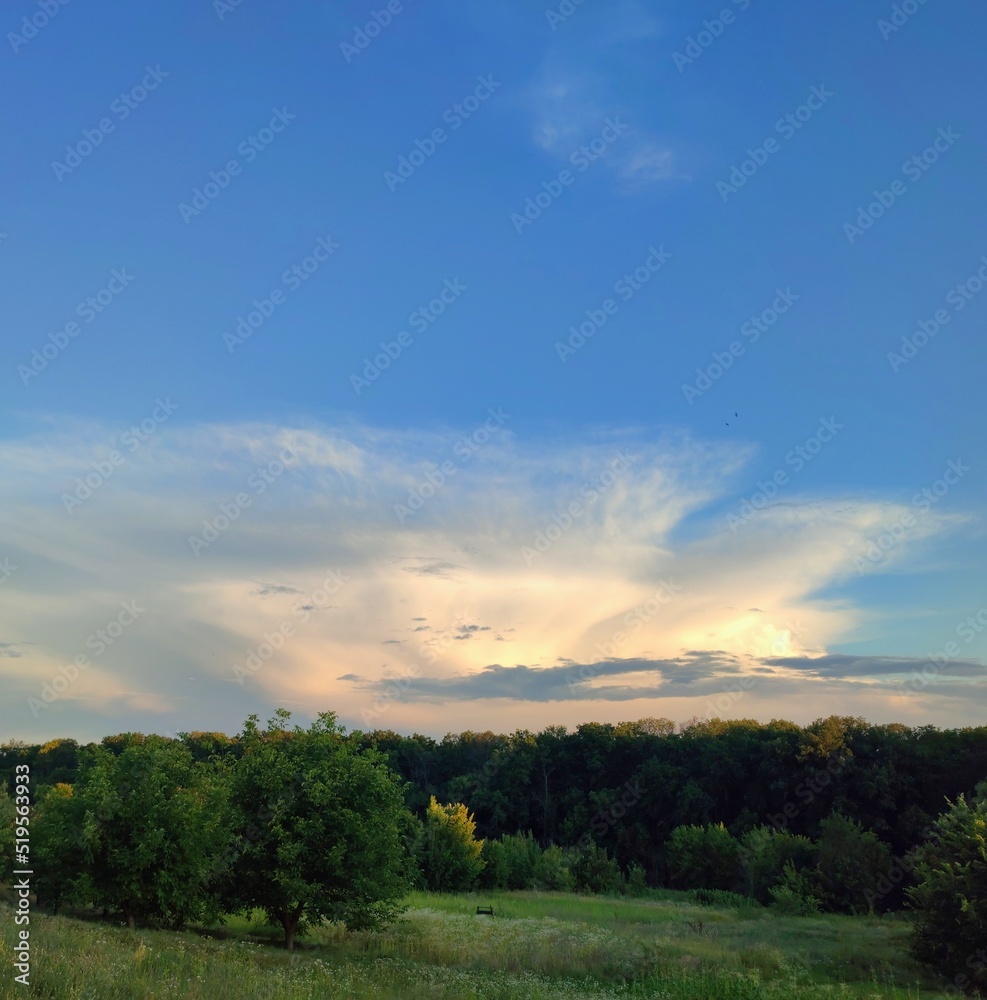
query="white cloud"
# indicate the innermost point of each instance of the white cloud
(446, 590)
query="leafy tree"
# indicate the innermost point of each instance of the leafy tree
(7, 824)
(552, 870)
(451, 856)
(637, 881)
(521, 857)
(764, 853)
(493, 875)
(703, 857)
(794, 895)
(56, 845)
(319, 826)
(593, 870)
(950, 930)
(852, 862)
(152, 823)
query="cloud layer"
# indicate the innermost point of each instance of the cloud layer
(391, 576)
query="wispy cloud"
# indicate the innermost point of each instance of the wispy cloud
(442, 595)
(584, 78)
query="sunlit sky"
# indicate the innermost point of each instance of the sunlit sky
(481, 368)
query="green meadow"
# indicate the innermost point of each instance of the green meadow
(538, 946)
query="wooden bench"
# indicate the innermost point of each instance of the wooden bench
(484, 911)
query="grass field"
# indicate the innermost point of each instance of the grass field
(539, 946)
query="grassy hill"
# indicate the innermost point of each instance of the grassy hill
(539, 946)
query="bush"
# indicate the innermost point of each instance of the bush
(593, 870)
(722, 897)
(950, 929)
(764, 854)
(551, 871)
(451, 856)
(703, 857)
(637, 881)
(794, 895)
(521, 855)
(493, 875)
(851, 866)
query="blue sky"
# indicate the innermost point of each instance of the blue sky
(776, 464)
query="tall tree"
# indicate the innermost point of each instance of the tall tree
(451, 856)
(152, 823)
(318, 823)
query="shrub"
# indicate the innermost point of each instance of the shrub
(764, 853)
(722, 897)
(593, 870)
(521, 855)
(794, 895)
(451, 856)
(851, 865)
(703, 857)
(950, 929)
(493, 875)
(637, 881)
(551, 871)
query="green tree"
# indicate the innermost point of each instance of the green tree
(493, 875)
(152, 823)
(7, 824)
(56, 845)
(451, 856)
(764, 853)
(703, 857)
(319, 827)
(521, 857)
(593, 870)
(852, 863)
(950, 929)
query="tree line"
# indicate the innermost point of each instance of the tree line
(312, 824)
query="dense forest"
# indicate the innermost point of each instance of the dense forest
(626, 787)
